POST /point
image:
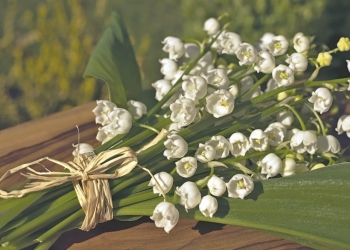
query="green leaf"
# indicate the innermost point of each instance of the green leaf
(310, 208)
(127, 218)
(114, 62)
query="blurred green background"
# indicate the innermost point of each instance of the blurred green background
(45, 44)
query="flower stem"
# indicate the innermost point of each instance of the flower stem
(302, 124)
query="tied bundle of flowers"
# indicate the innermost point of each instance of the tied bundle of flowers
(235, 138)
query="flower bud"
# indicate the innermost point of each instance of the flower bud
(186, 167)
(208, 206)
(271, 165)
(165, 182)
(301, 168)
(176, 146)
(189, 194)
(165, 215)
(240, 186)
(216, 186)
(344, 44)
(211, 26)
(318, 166)
(324, 59)
(322, 100)
(192, 50)
(265, 40)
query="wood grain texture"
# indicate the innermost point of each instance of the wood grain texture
(54, 135)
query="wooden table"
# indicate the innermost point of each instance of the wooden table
(54, 135)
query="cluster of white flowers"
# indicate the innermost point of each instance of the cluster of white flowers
(282, 144)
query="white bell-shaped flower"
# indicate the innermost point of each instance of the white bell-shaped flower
(304, 141)
(83, 148)
(265, 62)
(259, 140)
(183, 111)
(285, 117)
(176, 147)
(168, 69)
(208, 206)
(221, 145)
(239, 144)
(174, 46)
(195, 87)
(247, 54)
(218, 78)
(211, 26)
(283, 75)
(275, 132)
(165, 215)
(288, 167)
(192, 50)
(162, 88)
(301, 42)
(102, 111)
(348, 65)
(137, 109)
(329, 144)
(322, 100)
(220, 103)
(173, 127)
(205, 153)
(240, 186)
(189, 194)
(343, 125)
(216, 186)
(271, 165)
(278, 46)
(186, 167)
(297, 62)
(229, 42)
(265, 40)
(165, 181)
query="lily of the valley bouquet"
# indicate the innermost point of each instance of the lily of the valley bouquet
(238, 136)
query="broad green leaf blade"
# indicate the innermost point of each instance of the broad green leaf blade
(311, 208)
(114, 62)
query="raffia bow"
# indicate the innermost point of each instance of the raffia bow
(93, 191)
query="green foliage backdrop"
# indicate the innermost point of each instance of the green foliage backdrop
(45, 44)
